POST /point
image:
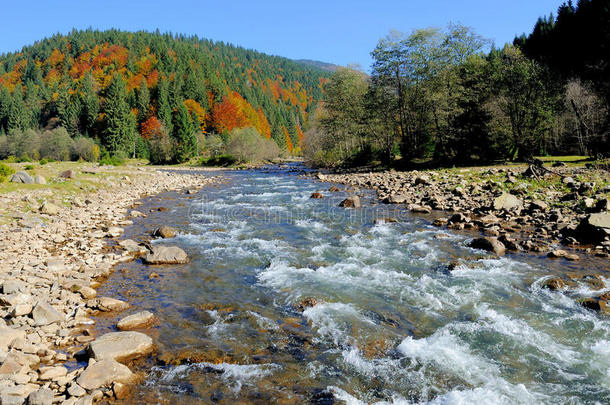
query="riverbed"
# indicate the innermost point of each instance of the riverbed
(289, 299)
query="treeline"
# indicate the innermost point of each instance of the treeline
(135, 93)
(437, 95)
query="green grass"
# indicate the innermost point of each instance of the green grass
(565, 159)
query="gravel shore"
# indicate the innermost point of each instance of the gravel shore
(54, 254)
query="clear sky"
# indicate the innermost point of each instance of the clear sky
(335, 31)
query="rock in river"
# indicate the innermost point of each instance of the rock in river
(166, 255)
(107, 304)
(135, 321)
(103, 373)
(489, 244)
(164, 232)
(120, 346)
(351, 202)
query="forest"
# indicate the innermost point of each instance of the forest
(448, 96)
(163, 97)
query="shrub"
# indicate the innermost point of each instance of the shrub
(247, 145)
(56, 144)
(24, 145)
(29, 167)
(5, 150)
(112, 160)
(44, 161)
(213, 144)
(5, 171)
(160, 148)
(218, 160)
(85, 149)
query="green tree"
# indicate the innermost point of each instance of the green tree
(91, 105)
(119, 130)
(185, 140)
(143, 101)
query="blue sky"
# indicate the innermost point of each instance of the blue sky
(339, 32)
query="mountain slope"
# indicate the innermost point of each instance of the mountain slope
(66, 80)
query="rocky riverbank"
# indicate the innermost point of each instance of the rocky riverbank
(54, 254)
(560, 212)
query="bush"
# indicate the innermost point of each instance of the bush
(44, 161)
(160, 148)
(56, 144)
(213, 145)
(247, 145)
(5, 150)
(85, 149)
(25, 145)
(218, 160)
(117, 159)
(29, 167)
(5, 171)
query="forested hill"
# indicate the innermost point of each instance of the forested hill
(82, 81)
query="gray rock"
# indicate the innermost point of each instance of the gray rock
(86, 400)
(76, 390)
(490, 244)
(594, 228)
(43, 396)
(166, 255)
(38, 179)
(396, 199)
(507, 202)
(49, 208)
(52, 373)
(538, 205)
(68, 174)
(422, 179)
(12, 286)
(107, 304)
(103, 373)
(44, 314)
(8, 336)
(164, 232)
(120, 346)
(22, 177)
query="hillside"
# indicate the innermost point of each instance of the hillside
(316, 63)
(86, 79)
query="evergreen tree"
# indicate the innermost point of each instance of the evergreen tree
(143, 103)
(5, 107)
(68, 109)
(184, 135)
(119, 124)
(17, 114)
(164, 110)
(91, 106)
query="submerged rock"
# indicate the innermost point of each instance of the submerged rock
(317, 195)
(166, 255)
(107, 304)
(135, 321)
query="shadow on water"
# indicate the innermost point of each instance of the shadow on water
(289, 299)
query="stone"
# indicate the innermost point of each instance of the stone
(84, 291)
(76, 390)
(43, 396)
(334, 189)
(38, 179)
(164, 232)
(86, 400)
(120, 390)
(12, 286)
(507, 202)
(21, 177)
(594, 228)
(67, 174)
(114, 232)
(21, 310)
(554, 284)
(562, 253)
(538, 205)
(120, 346)
(107, 304)
(422, 179)
(44, 314)
(490, 244)
(49, 208)
(396, 199)
(351, 202)
(52, 373)
(603, 204)
(8, 336)
(166, 255)
(317, 196)
(136, 321)
(103, 373)
(132, 246)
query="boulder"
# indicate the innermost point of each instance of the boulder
(562, 253)
(16, 395)
(594, 228)
(422, 179)
(103, 373)
(21, 177)
(538, 205)
(49, 208)
(136, 321)
(507, 202)
(12, 286)
(490, 244)
(166, 255)
(351, 202)
(8, 336)
(107, 304)
(44, 314)
(317, 195)
(120, 346)
(52, 373)
(164, 232)
(43, 396)
(132, 246)
(396, 199)
(38, 179)
(334, 189)
(67, 174)
(554, 284)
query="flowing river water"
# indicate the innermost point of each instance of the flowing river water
(390, 325)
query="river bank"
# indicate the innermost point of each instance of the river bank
(55, 251)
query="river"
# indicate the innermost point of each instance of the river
(289, 299)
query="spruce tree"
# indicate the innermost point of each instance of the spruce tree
(184, 135)
(5, 107)
(143, 102)
(17, 113)
(91, 106)
(119, 131)
(164, 110)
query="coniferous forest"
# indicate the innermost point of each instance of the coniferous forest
(149, 95)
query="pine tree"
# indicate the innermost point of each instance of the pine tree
(17, 114)
(68, 109)
(143, 101)
(164, 110)
(119, 124)
(184, 135)
(91, 106)
(5, 107)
